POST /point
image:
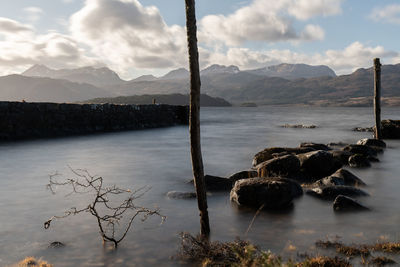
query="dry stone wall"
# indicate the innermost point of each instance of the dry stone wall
(22, 120)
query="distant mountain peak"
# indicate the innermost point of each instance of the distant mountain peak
(145, 78)
(294, 71)
(98, 76)
(215, 68)
(180, 73)
(37, 70)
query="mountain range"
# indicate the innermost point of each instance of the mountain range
(279, 84)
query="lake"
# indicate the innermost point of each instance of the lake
(160, 159)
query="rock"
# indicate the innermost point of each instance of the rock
(362, 129)
(340, 144)
(371, 142)
(359, 161)
(390, 129)
(329, 181)
(341, 156)
(243, 175)
(317, 164)
(344, 203)
(303, 126)
(283, 166)
(316, 146)
(56, 244)
(372, 159)
(215, 183)
(331, 192)
(273, 193)
(361, 149)
(268, 153)
(348, 178)
(181, 195)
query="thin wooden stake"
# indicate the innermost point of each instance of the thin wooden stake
(377, 98)
(194, 119)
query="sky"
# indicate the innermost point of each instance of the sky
(140, 37)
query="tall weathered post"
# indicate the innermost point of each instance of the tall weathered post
(377, 98)
(194, 118)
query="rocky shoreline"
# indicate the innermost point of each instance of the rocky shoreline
(279, 175)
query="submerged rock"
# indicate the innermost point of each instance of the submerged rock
(56, 244)
(359, 161)
(315, 146)
(302, 126)
(341, 156)
(271, 193)
(371, 142)
(270, 153)
(216, 183)
(361, 149)
(181, 195)
(317, 164)
(363, 129)
(344, 203)
(282, 166)
(331, 192)
(243, 175)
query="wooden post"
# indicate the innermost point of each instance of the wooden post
(377, 98)
(154, 101)
(194, 118)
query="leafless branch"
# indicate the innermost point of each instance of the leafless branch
(109, 216)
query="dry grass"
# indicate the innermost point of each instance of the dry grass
(349, 251)
(388, 247)
(322, 261)
(241, 253)
(32, 262)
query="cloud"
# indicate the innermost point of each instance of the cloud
(352, 57)
(386, 14)
(126, 34)
(268, 21)
(22, 47)
(12, 27)
(33, 14)
(306, 9)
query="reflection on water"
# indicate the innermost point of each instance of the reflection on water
(160, 158)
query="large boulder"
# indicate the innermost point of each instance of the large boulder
(273, 152)
(344, 203)
(282, 166)
(242, 175)
(361, 149)
(371, 142)
(348, 178)
(390, 129)
(341, 156)
(359, 161)
(315, 146)
(318, 164)
(270, 193)
(331, 192)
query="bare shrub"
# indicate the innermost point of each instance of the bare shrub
(108, 215)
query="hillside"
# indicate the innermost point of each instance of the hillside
(279, 84)
(37, 89)
(172, 99)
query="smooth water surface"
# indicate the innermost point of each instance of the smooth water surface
(160, 158)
